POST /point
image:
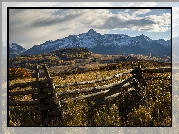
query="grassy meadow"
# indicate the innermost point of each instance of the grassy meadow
(141, 105)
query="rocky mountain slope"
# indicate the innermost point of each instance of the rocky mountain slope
(15, 50)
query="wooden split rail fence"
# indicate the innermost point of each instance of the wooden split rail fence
(48, 101)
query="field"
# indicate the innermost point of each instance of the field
(145, 104)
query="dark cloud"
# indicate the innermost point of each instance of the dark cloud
(57, 19)
(114, 22)
(141, 22)
(41, 22)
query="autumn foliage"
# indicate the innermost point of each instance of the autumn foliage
(18, 73)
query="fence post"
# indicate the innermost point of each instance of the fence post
(91, 114)
(48, 99)
(36, 72)
(46, 72)
(41, 99)
(141, 80)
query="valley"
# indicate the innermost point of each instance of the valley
(75, 60)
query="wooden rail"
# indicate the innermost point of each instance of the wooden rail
(93, 81)
(22, 111)
(158, 70)
(93, 95)
(27, 84)
(24, 103)
(22, 85)
(32, 91)
(94, 89)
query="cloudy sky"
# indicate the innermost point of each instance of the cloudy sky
(29, 27)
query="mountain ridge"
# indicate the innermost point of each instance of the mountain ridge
(105, 44)
(15, 50)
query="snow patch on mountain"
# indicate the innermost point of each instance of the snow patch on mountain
(164, 43)
(17, 48)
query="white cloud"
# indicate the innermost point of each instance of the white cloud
(125, 21)
(135, 12)
(90, 17)
(162, 23)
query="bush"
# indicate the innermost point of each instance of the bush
(18, 73)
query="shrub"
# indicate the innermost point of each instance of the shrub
(18, 73)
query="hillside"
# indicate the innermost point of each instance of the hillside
(70, 60)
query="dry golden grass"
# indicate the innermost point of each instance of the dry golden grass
(156, 98)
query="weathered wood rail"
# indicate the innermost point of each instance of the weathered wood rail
(94, 81)
(48, 101)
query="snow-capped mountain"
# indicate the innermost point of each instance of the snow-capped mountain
(106, 44)
(15, 49)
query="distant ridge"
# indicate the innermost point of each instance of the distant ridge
(104, 44)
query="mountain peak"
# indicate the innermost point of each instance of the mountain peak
(13, 45)
(142, 35)
(91, 31)
(15, 50)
